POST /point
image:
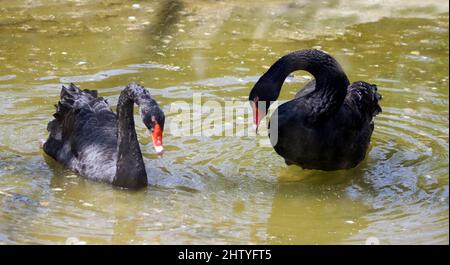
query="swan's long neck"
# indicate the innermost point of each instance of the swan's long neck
(331, 81)
(130, 171)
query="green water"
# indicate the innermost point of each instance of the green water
(212, 190)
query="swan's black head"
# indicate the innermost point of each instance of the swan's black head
(152, 115)
(154, 118)
(366, 97)
(262, 95)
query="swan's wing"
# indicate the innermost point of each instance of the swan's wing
(75, 110)
(309, 87)
(79, 106)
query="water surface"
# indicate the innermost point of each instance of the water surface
(213, 190)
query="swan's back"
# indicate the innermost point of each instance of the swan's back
(83, 135)
(339, 142)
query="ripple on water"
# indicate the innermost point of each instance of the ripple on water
(7, 77)
(97, 76)
(402, 176)
(224, 189)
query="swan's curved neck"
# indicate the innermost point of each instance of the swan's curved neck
(130, 170)
(331, 81)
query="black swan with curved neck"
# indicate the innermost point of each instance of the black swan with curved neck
(87, 137)
(328, 124)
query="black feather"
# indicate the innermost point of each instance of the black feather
(84, 135)
(328, 125)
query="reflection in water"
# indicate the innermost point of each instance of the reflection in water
(126, 221)
(310, 207)
(167, 16)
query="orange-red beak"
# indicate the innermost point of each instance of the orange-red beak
(256, 115)
(158, 139)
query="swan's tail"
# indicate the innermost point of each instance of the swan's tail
(364, 97)
(71, 98)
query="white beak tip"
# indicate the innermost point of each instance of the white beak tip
(159, 149)
(255, 128)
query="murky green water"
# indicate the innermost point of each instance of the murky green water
(225, 189)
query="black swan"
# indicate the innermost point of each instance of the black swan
(328, 124)
(87, 137)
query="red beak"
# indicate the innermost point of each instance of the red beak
(256, 116)
(158, 139)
